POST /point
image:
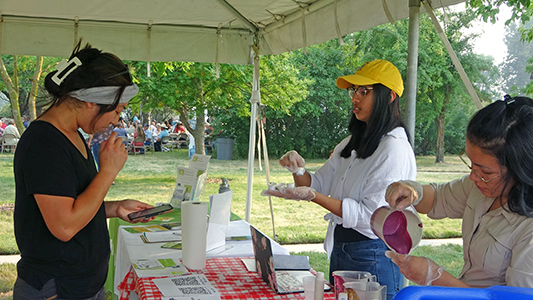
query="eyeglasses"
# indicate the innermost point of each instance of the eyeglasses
(361, 91)
(475, 171)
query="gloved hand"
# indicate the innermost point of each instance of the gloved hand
(404, 193)
(420, 270)
(293, 162)
(290, 192)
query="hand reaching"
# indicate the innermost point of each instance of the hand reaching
(290, 192)
(420, 270)
(402, 194)
(293, 162)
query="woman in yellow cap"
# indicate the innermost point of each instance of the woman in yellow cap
(352, 182)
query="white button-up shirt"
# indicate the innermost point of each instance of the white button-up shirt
(497, 245)
(361, 183)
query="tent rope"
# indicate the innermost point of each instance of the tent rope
(217, 66)
(76, 26)
(261, 120)
(337, 27)
(387, 11)
(149, 46)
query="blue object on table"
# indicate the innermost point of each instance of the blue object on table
(439, 292)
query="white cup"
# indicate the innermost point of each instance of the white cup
(309, 287)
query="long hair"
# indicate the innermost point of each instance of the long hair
(384, 117)
(504, 129)
(98, 69)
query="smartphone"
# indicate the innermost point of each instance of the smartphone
(150, 212)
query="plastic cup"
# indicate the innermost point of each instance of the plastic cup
(309, 287)
(340, 277)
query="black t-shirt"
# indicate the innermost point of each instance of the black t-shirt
(46, 162)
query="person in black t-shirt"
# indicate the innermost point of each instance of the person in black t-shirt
(60, 213)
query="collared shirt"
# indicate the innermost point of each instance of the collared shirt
(361, 183)
(148, 134)
(497, 244)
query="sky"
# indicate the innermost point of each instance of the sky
(491, 41)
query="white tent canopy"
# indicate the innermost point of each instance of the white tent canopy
(187, 30)
(216, 31)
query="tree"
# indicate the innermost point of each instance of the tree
(13, 90)
(439, 87)
(515, 76)
(193, 88)
(22, 85)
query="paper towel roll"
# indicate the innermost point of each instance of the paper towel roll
(193, 233)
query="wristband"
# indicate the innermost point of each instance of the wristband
(417, 187)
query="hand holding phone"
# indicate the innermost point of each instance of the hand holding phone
(150, 212)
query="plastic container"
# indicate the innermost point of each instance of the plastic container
(340, 277)
(446, 293)
(400, 230)
(225, 148)
(365, 291)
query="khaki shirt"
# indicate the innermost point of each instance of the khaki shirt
(497, 245)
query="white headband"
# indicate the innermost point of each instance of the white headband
(105, 94)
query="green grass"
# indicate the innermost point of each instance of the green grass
(450, 256)
(151, 178)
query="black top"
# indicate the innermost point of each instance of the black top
(47, 163)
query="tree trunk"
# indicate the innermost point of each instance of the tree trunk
(12, 88)
(198, 131)
(439, 121)
(35, 87)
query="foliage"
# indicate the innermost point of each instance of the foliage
(193, 88)
(21, 70)
(283, 85)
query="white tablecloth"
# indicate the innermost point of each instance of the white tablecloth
(131, 247)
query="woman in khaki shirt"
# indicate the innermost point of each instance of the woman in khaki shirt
(495, 202)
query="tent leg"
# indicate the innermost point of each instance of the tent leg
(412, 67)
(453, 56)
(254, 100)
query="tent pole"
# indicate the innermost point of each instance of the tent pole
(412, 68)
(453, 56)
(254, 101)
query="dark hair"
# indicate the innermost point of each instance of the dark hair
(504, 129)
(384, 117)
(98, 69)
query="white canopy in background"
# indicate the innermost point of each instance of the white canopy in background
(187, 30)
(217, 31)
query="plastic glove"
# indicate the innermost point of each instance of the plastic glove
(402, 194)
(290, 192)
(293, 162)
(420, 270)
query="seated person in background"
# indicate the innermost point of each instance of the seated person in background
(157, 140)
(494, 202)
(3, 124)
(208, 129)
(179, 128)
(148, 135)
(139, 132)
(11, 129)
(121, 132)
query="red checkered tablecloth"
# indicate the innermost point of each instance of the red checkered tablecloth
(227, 274)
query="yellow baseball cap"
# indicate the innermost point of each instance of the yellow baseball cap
(376, 71)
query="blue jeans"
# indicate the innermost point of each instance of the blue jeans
(367, 256)
(24, 291)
